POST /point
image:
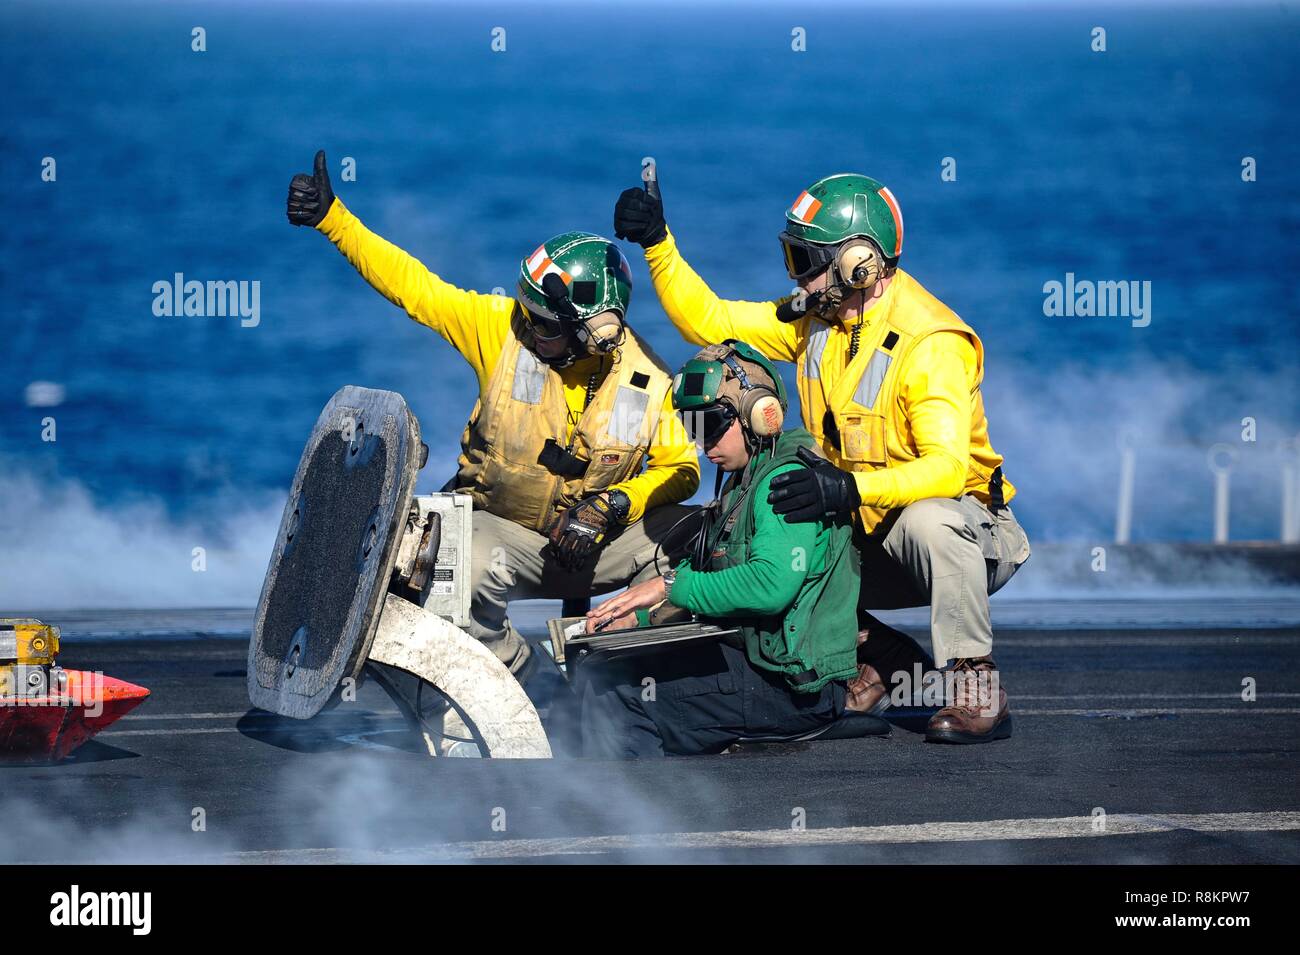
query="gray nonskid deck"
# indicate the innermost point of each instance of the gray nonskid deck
(1144, 726)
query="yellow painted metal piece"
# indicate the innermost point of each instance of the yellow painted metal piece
(34, 643)
(24, 642)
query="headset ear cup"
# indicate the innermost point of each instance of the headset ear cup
(603, 333)
(765, 414)
(861, 264)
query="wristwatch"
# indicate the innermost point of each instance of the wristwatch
(670, 577)
(620, 505)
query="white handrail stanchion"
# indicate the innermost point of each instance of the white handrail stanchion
(1221, 458)
(1290, 451)
(1124, 504)
(1288, 503)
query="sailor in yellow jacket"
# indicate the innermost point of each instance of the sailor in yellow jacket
(573, 455)
(889, 383)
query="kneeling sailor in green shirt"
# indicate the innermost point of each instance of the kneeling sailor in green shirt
(790, 589)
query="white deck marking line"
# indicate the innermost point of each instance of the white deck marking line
(1146, 696)
(1245, 709)
(187, 716)
(193, 731)
(1149, 638)
(240, 714)
(302, 726)
(1067, 827)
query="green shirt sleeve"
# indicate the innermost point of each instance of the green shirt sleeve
(781, 556)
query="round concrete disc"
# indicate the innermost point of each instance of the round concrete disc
(335, 552)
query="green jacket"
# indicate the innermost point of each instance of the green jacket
(792, 589)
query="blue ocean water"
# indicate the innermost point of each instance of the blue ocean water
(176, 432)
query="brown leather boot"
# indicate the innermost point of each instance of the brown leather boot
(972, 715)
(867, 693)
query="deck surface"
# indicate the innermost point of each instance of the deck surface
(1143, 721)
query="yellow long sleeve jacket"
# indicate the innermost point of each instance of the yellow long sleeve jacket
(477, 326)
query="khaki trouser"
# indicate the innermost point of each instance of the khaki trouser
(951, 555)
(510, 562)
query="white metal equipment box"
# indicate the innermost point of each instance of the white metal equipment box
(448, 595)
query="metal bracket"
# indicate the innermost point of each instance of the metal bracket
(493, 703)
(417, 552)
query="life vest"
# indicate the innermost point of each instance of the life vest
(524, 405)
(852, 407)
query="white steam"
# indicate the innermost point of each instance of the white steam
(1058, 428)
(64, 550)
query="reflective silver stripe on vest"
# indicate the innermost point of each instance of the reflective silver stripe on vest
(629, 411)
(530, 378)
(812, 367)
(872, 378)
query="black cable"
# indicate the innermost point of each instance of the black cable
(703, 547)
(705, 555)
(586, 403)
(659, 544)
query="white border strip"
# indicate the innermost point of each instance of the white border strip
(1067, 827)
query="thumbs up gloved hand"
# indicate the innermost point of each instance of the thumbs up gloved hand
(310, 197)
(639, 216)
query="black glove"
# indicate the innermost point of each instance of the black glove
(310, 197)
(580, 531)
(639, 218)
(819, 491)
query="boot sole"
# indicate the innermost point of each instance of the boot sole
(1001, 731)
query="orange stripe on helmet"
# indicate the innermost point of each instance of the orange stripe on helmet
(538, 261)
(898, 218)
(540, 265)
(805, 206)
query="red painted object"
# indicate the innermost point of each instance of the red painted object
(48, 728)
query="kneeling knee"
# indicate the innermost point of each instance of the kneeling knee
(927, 524)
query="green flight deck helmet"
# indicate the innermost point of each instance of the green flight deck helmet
(725, 382)
(577, 285)
(825, 217)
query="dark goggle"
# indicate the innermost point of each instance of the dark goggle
(545, 326)
(706, 425)
(803, 259)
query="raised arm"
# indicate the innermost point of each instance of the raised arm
(700, 315)
(474, 324)
(703, 318)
